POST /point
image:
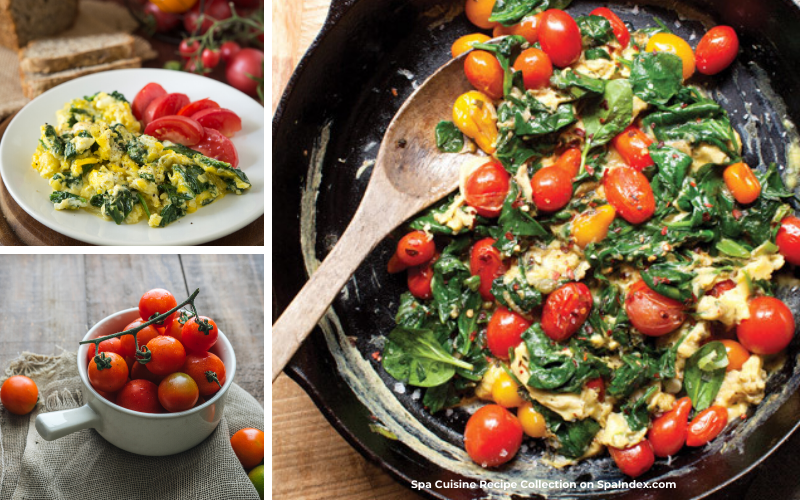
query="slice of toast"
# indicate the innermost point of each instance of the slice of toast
(34, 84)
(24, 20)
(59, 54)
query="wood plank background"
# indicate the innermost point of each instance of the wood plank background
(49, 302)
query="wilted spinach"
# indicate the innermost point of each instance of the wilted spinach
(416, 357)
(704, 374)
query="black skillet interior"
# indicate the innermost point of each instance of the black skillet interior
(366, 62)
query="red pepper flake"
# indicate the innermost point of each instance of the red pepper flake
(744, 416)
(664, 231)
(708, 205)
(376, 356)
(693, 184)
(509, 236)
(737, 214)
(589, 169)
(473, 335)
(394, 91)
(585, 356)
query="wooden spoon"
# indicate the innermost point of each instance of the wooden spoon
(410, 174)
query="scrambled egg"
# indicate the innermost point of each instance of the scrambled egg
(95, 158)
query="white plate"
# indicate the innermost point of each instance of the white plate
(214, 221)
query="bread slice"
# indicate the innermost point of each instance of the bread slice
(58, 54)
(24, 20)
(34, 84)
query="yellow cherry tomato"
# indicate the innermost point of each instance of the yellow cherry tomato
(532, 421)
(466, 42)
(475, 117)
(478, 12)
(742, 182)
(174, 6)
(592, 226)
(667, 42)
(505, 392)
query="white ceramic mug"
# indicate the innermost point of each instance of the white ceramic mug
(133, 431)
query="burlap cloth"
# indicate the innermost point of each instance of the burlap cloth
(85, 466)
(94, 17)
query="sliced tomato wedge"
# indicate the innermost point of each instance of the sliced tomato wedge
(178, 129)
(224, 120)
(217, 146)
(196, 106)
(164, 105)
(148, 94)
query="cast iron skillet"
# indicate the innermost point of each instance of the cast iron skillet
(355, 76)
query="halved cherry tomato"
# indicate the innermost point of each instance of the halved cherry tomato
(528, 28)
(560, 37)
(486, 188)
(478, 13)
(592, 225)
(597, 384)
(536, 68)
(178, 129)
(415, 248)
(566, 310)
(492, 436)
(217, 146)
(629, 192)
(109, 379)
(19, 394)
(148, 94)
(164, 105)
(484, 72)
(505, 331)
(667, 433)
(788, 239)
(552, 188)
(770, 327)
(570, 161)
(651, 313)
(742, 183)
(667, 42)
(632, 144)
(737, 354)
(465, 43)
(420, 278)
(721, 287)
(224, 120)
(198, 105)
(140, 395)
(485, 261)
(716, 50)
(706, 425)
(635, 460)
(620, 30)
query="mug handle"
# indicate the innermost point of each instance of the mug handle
(57, 424)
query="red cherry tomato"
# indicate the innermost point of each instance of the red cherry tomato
(536, 68)
(420, 278)
(635, 460)
(565, 311)
(210, 58)
(177, 392)
(214, 10)
(394, 265)
(217, 146)
(560, 37)
(737, 354)
(486, 188)
(667, 433)
(485, 261)
(144, 335)
(229, 49)
(145, 96)
(167, 355)
(140, 395)
(552, 188)
(570, 161)
(492, 436)
(109, 379)
(505, 331)
(706, 425)
(195, 106)
(598, 385)
(651, 313)
(619, 28)
(155, 302)
(484, 72)
(716, 50)
(528, 28)
(632, 144)
(19, 394)
(248, 445)
(770, 327)
(178, 129)
(788, 239)
(224, 120)
(245, 64)
(188, 48)
(629, 192)
(140, 371)
(164, 105)
(161, 21)
(721, 287)
(199, 334)
(175, 329)
(203, 367)
(479, 11)
(415, 248)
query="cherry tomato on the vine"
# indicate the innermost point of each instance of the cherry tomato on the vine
(484, 72)
(667, 433)
(210, 58)
(486, 188)
(19, 394)
(566, 310)
(634, 460)
(492, 436)
(652, 313)
(552, 188)
(161, 21)
(177, 392)
(632, 145)
(112, 378)
(485, 261)
(415, 248)
(157, 301)
(199, 334)
(629, 192)
(167, 355)
(140, 395)
(560, 37)
(770, 327)
(478, 13)
(202, 367)
(716, 50)
(188, 48)
(620, 30)
(505, 331)
(788, 239)
(144, 335)
(536, 68)
(248, 445)
(175, 329)
(706, 425)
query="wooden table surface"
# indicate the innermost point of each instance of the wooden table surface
(49, 302)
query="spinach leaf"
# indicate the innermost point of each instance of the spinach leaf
(137, 152)
(532, 118)
(516, 292)
(447, 286)
(411, 313)
(673, 167)
(427, 221)
(606, 117)
(449, 138)
(116, 95)
(59, 196)
(573, 437)
(416, 357)
(577, 86)
(69, 180)
(439, 397)
(52, 141)
(667, 279)
(704, 374)
(117, 206)
(596, 53)
(514, 223)
(595, 30)
(732, 249)
(656, 76)
(635, 411)
(509, 12)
